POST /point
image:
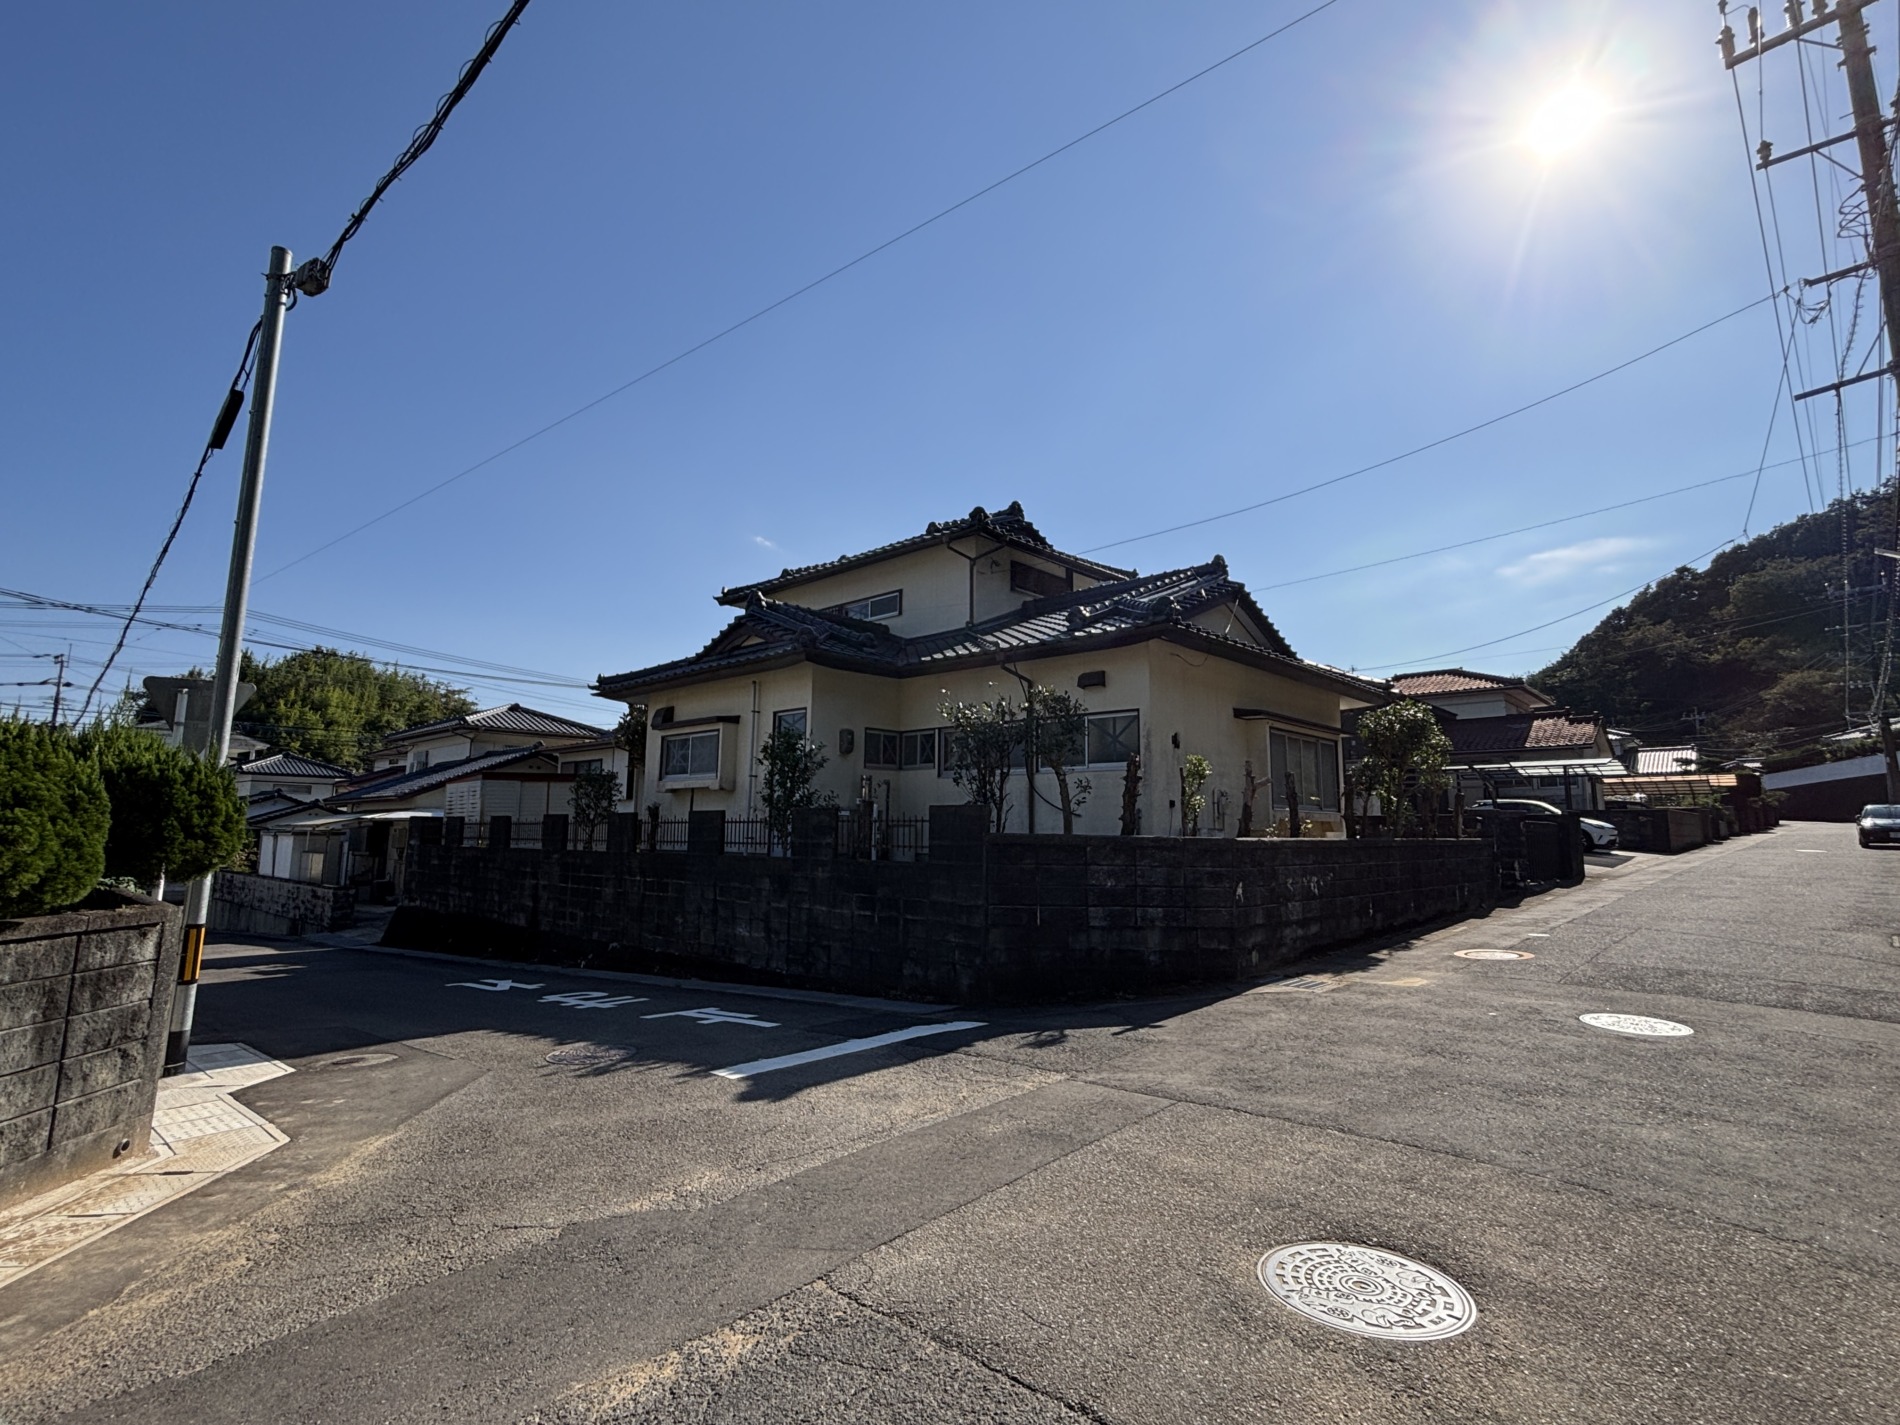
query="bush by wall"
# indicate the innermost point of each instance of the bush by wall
(173, 814)
(53, 820)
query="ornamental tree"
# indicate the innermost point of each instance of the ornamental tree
(53, 820)
(791, 763)
(986, 739)
(173, 815)
(1058, 725)
(1405, 754)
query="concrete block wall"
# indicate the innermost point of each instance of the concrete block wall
(85, 1000)
(985, 918)
(243, 904)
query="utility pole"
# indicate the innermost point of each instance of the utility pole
(237, 597)
(59, 682)
(1869, 133)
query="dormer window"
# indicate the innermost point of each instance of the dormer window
(878, 606)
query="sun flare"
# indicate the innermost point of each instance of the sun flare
(1565, 120)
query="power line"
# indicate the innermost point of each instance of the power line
(1430, 658)
(794, 295)
(1527, 528)
(220, 432)
(423, 138)
(1434, 444)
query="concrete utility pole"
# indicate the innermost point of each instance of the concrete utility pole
(237, 598)
(59, 683)
(1869, 133)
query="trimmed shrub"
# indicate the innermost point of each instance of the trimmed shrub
(53, 820)
(172, 814)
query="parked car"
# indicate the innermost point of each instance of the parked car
(1597, 835)
(1878, 825)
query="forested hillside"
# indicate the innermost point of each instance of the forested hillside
(1755, 644)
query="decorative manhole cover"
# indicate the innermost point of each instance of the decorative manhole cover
(1494, 954)
(357, 1061)
(1636, 1024)
(1367, 1291)
(589, 1056)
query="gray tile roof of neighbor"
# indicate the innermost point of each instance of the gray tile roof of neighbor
(510, 717)
(395, 783)
(770, 633)
(291, 764)
(1008, 525)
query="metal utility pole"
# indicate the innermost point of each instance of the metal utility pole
(1871, 125)
(237, 597)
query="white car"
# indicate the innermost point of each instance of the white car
(1597, 835)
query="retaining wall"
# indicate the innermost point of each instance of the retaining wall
(85, 1002)
(985, 918)
(243, 904)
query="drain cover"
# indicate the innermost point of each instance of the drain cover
(1299, 985)
(1636, 1024)
(356, 1061)
(589, 1056)
(1367, 1292)
(1494, 954)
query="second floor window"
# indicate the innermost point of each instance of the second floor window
(878, 606)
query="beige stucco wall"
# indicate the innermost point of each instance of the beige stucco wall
(1176, 691)
(942, 588)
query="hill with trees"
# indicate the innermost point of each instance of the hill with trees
(1762, 654)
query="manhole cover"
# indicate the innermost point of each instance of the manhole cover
(1636, 1024)
(1367, 1292)
(357, 1061)
(589, 1056)
(1494, 954)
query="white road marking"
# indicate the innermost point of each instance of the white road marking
(716, 1016)
(846, 1046)
(591, 999)
(1810, 851)
(496, 985)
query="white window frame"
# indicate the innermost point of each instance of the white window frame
(862, 609)
(694, 780)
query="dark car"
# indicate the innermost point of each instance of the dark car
(1879, 825)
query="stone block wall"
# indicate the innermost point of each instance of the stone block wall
(243, 904)
(985, 918)
(85, 1001)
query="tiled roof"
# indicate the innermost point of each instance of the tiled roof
(511, 717)
(291, 764)
(770, 633)
(1546, 730)
(1653, 761)
(1009, 524)
(1449, 680)
(395, 784)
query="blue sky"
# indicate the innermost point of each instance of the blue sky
(1332, 250)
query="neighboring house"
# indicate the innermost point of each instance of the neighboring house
(499, 729)
(1663, 761)
(1509, 740)
(301, 778)
(861, 653)
(604, 754)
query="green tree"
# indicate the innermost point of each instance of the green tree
(53, 820)
(1405, 754)
(630, 735)
(1195, 771)
(339, 706)
(791, 763)
(1060, 742)
(592, 801)
(985, 742)
(173, 815)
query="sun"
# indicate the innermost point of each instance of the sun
(1565, 121)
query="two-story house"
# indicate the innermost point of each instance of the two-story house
(1510, 740)
(863, 652)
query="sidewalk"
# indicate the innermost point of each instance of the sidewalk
(199, 1132)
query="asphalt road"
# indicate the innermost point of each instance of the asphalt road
(1046, 1215)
